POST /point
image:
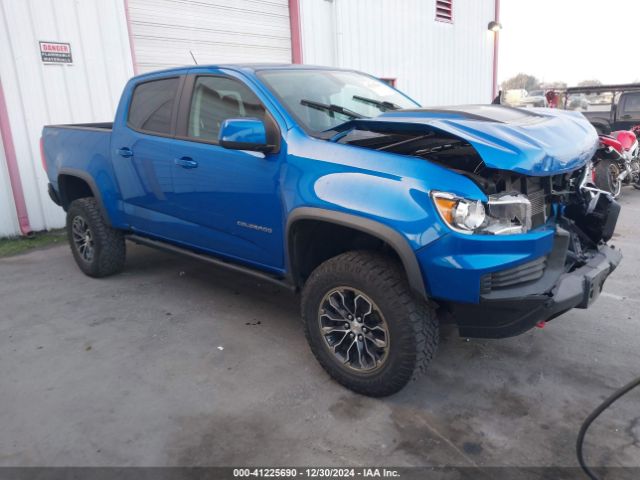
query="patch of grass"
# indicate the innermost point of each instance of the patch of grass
(15, 245)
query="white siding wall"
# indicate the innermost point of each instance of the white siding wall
(8, 219)
(319, 32)
(38, 94)
(217, 31)
(434, 62)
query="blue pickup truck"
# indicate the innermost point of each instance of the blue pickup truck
(391, 219)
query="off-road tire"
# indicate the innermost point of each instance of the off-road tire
(109, 251)
(412, 323)
(604, 180)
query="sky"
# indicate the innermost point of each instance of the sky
(570, 40)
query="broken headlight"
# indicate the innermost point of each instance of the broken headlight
(503, 214)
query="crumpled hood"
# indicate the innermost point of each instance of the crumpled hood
(538, 141)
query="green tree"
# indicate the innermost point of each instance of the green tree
(521, 80)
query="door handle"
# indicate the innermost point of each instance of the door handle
(186, 162)
(626, 117)
(125, 152)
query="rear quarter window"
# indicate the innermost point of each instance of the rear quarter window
(631, 102)
(152, 104)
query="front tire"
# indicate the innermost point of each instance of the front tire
(98, 249)
(363, 324)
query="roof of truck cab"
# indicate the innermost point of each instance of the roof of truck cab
(252, 67)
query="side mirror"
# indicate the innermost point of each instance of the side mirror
(244, 134)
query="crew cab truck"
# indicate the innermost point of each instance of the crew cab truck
(616, 107)
(389, 218)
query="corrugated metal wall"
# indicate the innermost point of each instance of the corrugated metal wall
(37, 94)
(436, 63)
(8, 220)
(217, 31)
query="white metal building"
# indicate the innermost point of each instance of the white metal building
(66, 61)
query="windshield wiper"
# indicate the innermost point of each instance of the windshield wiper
(382, 105)
(330, 108)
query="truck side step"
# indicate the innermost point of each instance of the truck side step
(167, 247)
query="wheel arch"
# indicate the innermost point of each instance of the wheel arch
(393, 239)
(74, 184)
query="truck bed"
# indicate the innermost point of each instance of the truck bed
(85, 126)
(83, 147)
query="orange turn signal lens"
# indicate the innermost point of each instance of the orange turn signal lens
(445, 207)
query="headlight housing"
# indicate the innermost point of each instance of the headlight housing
(503, 214)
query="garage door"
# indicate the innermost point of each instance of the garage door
(216, 31)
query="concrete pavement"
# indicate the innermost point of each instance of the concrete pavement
(174, 362)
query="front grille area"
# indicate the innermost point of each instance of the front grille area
(527, 272)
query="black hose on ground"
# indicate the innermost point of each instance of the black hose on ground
(595, 414)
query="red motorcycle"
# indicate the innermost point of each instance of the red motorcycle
(617, 162)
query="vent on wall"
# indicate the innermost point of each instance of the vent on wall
(444, 10)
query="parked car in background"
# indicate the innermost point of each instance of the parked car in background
(388, 217)
(534, 98)
(514, 97)
(602, 98)
(622, 112)
(577, 101)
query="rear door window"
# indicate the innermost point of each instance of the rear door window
(216, 99)
(631, 103)
(152, 106)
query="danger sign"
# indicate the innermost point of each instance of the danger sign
(55, 52)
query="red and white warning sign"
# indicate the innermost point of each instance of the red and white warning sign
(55, 52)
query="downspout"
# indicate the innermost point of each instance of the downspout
(12, 167)
(496, 38)
(296, 31)
(130, 32)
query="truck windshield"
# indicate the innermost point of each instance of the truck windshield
(323, 99)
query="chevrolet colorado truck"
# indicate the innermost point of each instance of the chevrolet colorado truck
(389, 218)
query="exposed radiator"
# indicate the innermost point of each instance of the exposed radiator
(539, 208)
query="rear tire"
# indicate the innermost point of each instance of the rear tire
(354, 298)
(607, 172)
(98, 249)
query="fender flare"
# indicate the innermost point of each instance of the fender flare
(86, 177)
(376, 229)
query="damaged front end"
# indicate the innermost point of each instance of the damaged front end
(534, 184)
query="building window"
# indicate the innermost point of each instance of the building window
(444, 11)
